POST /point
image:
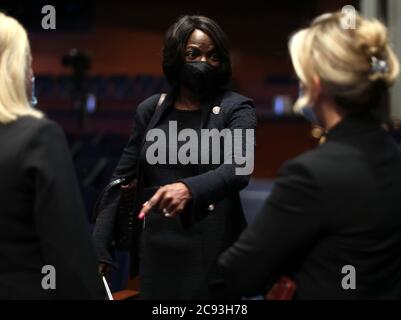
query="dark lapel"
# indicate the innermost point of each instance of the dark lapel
(206, 108)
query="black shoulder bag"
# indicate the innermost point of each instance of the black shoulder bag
(124, 222)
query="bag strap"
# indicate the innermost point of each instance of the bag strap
(121, 181)
(158, 105)
(161, 100)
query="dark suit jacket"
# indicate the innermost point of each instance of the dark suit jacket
(216, 185)
(335, 206)
(42, 219)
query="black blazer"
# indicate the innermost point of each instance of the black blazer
(215, 190)
(42, 219)
(335, 206)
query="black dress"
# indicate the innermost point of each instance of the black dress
(179, 258)
(42, 219)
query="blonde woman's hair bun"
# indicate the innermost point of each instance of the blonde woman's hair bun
(355, 66)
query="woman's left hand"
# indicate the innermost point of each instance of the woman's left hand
(170, 200)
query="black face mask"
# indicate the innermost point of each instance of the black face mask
(200, 78)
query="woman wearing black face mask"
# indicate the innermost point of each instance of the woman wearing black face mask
(188, 212)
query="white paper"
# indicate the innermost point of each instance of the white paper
(107, 289)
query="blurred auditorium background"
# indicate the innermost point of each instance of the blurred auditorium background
(105, 57)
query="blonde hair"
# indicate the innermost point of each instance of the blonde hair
(343, 60)
(15, 60)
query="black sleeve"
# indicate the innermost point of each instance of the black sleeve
(127, 165)
(126, 168)
(292, 219)
(215, 185)
(59, 215)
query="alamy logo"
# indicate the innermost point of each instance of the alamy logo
(49, 280)
(49, 20)
(349, 280)
(204, 148)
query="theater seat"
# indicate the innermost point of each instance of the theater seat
(130, 293)
(283, 289)
(126, 295)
